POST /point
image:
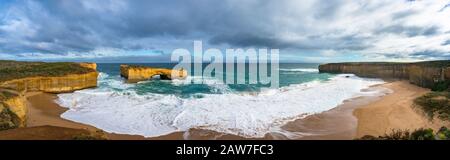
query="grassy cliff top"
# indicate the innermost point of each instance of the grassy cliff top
(5, 95)
(10, 70)
(435, 104)
(441, 63)
(445, 63)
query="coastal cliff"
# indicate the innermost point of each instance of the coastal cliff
(17, 78)
(432, 74)
(88, 65)
(141, 73)
(13, 110)
(47, 77)
(57, 84)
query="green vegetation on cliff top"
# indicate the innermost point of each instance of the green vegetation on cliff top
(47, 132)
(97, 135)
(435, 104)
(8, 120)
(5, 95)
(419, 134)
(10, 70)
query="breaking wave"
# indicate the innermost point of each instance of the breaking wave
(244, 114)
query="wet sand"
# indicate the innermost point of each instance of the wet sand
(373, 115)
(43, 111)
(47, 133)
(335, 124)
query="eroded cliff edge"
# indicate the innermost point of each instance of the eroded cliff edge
(47, 77)
(141, 73)
(432, 74)
(17, 78)
(13, 110)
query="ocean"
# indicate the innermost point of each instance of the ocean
(160, 107)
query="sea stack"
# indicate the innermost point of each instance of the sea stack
(141, 73)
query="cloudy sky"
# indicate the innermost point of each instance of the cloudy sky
(149, 30)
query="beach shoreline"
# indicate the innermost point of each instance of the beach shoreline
(395, 111)
(356, 117)
(338, 123)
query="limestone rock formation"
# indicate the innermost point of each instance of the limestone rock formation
(89, 65)
(425, 74)
(55, 84)
(13, 110)
(60, 84)
(17, 78)
(141, 73)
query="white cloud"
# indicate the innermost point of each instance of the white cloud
(381, 29)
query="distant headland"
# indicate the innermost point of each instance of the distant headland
(431, 74)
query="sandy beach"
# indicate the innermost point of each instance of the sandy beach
(43, 111)
(335, 124)
(44, 122)
(365, 115)
(395, 111)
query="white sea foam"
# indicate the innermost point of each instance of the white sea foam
(300, 69)
(247, 115)
(112, 82)
(215, 84)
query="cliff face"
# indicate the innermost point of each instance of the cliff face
(140, 73)
(68, 83)
(424, 74)
(428, 76)
(13, 110)
(21, 77)
(89, 65)
(55, 84)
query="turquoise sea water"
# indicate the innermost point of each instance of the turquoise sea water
(159, 107)
(289, 74)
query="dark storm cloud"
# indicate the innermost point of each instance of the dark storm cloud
(410, 31)
(445, 7)
(76, 26)
(422, 55)
(403, 14)
(249, 40)
(431, 53)
(327, 9)
(81, 26)
(394, 55)
(346, 42)
(447, 42)
(60, 27)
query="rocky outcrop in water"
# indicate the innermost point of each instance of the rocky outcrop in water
(432, 74)
(142, 73)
